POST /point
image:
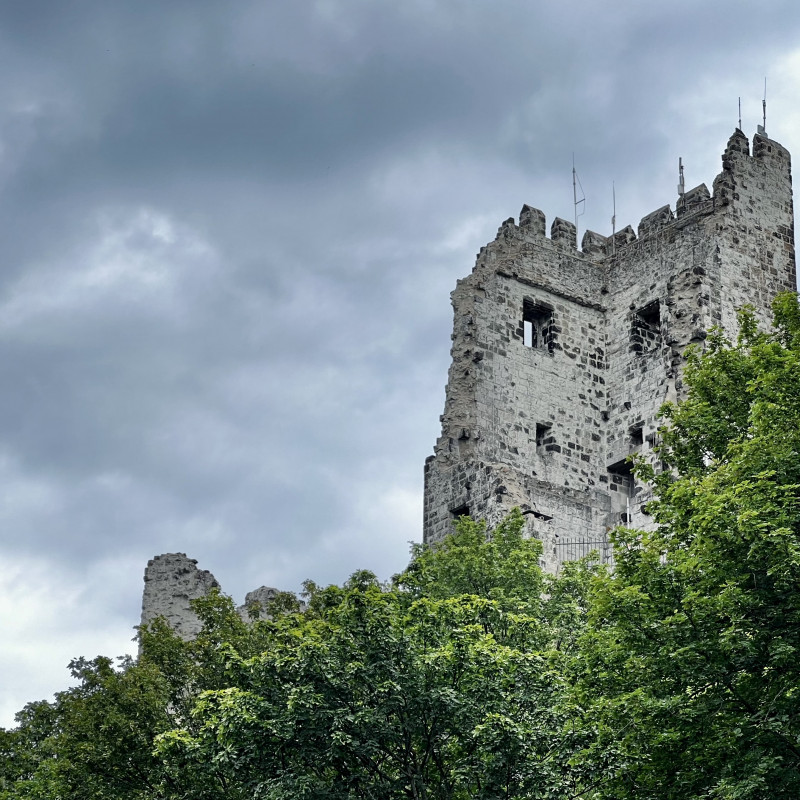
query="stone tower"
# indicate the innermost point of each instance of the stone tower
(562, 357)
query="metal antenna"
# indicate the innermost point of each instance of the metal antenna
(576, 182)
(614, 218)
(681, 183)
(762, 129)
(740, 113)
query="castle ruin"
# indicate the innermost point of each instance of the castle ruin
(172, 581)
(562, 357)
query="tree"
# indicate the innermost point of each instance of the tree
(94, 740)
(693, 655)
(448, 683)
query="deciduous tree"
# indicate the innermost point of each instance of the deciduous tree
(693, 659)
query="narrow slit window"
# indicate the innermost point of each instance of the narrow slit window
(544, 437)
(624, 483)
(527, 333)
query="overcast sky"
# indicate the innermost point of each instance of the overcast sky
(228, 234)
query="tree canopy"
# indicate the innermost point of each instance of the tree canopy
(473, 674)
(448, 682)
(694, 646)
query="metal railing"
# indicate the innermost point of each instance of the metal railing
(574, 549)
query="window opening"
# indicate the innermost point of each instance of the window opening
(544, 436)
(460, 511)
(651, 315)
(622, 467)
(537, 326)
(637, 435)
(646, 328)
(538, 515)
(527, 333)
(622, 477)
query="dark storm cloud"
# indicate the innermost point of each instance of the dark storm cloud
(227, 238)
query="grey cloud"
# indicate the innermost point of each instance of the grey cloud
(228, 234)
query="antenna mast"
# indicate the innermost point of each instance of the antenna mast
(576, 182)
(740, 113)
(614, 218)
(762, 129)
(681, 183)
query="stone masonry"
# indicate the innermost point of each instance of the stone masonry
(172, 581)
(562, 357)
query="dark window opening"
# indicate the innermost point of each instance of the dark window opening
(622, 480)
(460, 511)
(544, 436)
(622, 468)
(646, 328)
(537, 326)
(537, 515)
(650, 315)
(637, 435)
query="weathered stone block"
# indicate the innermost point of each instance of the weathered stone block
(532, 220)
(564, 233)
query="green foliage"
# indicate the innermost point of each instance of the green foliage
(93, 741)
(448, 683)
(502, 566)
(473, 675)
(694, 652)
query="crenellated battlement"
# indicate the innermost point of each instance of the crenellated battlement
(737, 162)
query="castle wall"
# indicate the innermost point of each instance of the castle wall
(172, 581)
(756, 245)
(496, 450)
(562, 358)
(657, 290)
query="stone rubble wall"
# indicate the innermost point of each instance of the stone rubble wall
(172, 581)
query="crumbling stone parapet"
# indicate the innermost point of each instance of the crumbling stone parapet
(594, 245)
(655, 220)
(172, 581)
(532, 220)
(563, 233)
